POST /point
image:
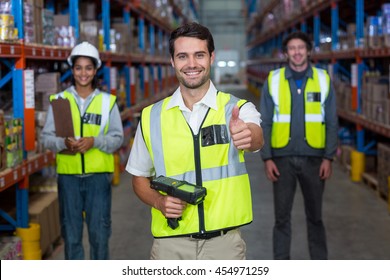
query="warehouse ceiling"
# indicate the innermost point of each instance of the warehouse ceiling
(222, 16)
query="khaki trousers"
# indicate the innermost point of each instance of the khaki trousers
(230, 246)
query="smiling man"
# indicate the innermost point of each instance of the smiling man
(199, 135)
(298, 106)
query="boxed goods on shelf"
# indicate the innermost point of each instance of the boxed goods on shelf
(89, 31)
(10, 248)
(3, 156)
(383, 168)
(44, 210)
(13, 141)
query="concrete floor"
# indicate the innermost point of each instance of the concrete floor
(356, 218)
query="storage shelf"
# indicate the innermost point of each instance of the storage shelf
(338, 55)
(10, 50)
(283, 25)
(263, 13)
(11, 176)
(353, 117)
(147, 82)
(129, 112)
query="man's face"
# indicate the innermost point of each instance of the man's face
(192, 62)
(297, 54)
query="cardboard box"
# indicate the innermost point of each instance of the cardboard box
(44, 210)
(61, 20)
(89, 31)
(37, 210)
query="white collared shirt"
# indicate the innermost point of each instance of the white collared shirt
(140, 163)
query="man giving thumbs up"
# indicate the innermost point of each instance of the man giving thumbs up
(199, 135)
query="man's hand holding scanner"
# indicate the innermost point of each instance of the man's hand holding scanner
(171, 207)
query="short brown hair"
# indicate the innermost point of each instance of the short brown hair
(297, 35)
(191, 29)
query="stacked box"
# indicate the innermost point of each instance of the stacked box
(49, 34)
(87, 11)
(374, 31)
(383, 168)
(8, 32)
(89, 31)
(28, 17)
(13, 141)
(65, 35)
(3, 156)
(39, 18)
(386, 24)
(122, 37)
(43, 209)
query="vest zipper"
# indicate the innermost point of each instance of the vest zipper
(198, 169)
(82, 155)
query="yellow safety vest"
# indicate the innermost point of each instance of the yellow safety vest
(209, 159)
(316, 92)
(93, 123)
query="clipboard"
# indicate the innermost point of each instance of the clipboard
(63, 121)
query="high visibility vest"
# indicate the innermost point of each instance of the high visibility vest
(315, 94)
(94, 122)
(209, 159)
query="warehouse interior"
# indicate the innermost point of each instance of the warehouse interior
(351, 40)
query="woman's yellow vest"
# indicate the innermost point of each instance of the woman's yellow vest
(316, 91)
(93, 123)
(215, 164)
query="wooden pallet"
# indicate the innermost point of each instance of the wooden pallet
(370, 180)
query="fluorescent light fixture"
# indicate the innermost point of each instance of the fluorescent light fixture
(231, 63)
(221, 63)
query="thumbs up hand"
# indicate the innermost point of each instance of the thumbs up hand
(239, 131)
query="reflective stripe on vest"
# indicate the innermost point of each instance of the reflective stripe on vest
(314, 109)
(94, 160)
(171, 145)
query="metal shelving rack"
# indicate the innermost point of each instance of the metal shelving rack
(14, 56)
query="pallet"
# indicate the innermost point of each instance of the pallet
(53, 248)
(370, 180)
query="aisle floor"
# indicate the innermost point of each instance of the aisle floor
(356, 218)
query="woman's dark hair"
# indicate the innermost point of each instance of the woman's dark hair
(95, 81)
(297, 35)
(194, 30)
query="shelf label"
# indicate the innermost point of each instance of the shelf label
(15, 175)
(12, 50)
(29, 102)
(146, 74)
(2, 182)
(34, 52)
(132, 75)
(113, 77)
(354, 75)
(43, 52)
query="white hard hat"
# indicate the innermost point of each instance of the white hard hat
(85, 49)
